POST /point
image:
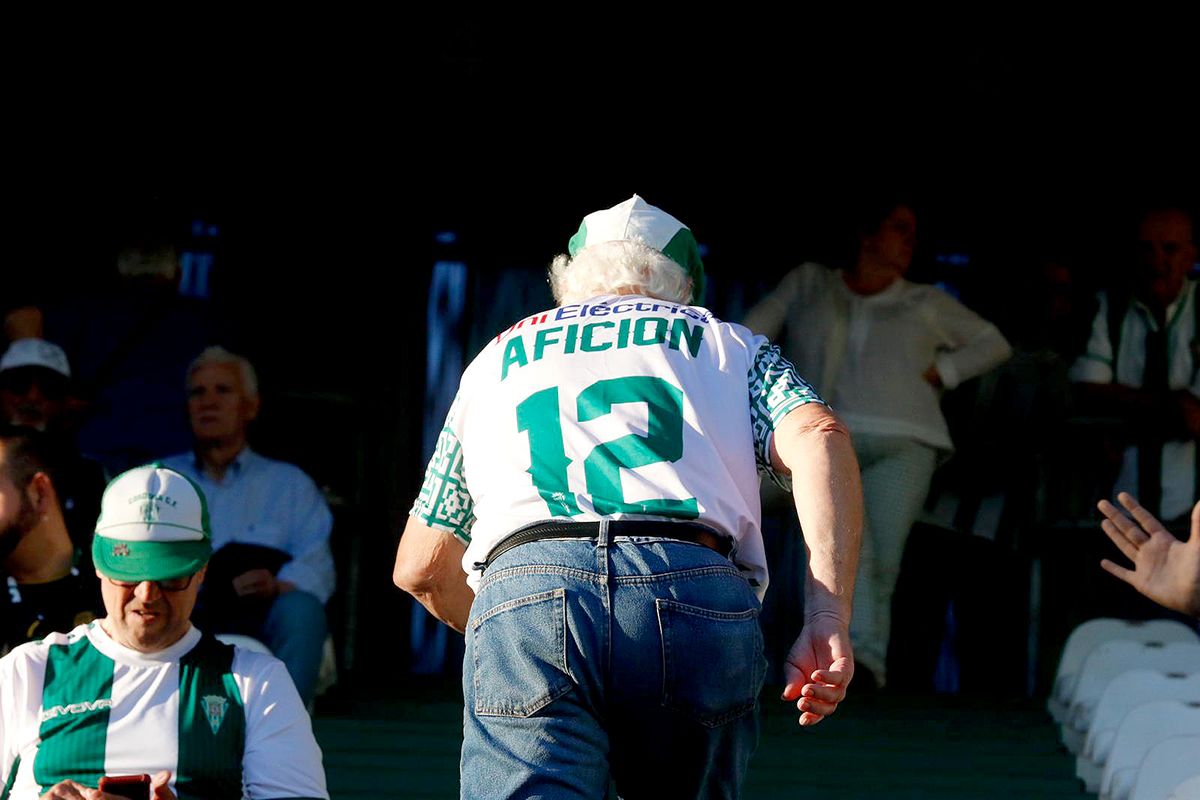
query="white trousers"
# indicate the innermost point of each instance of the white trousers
(896, 473)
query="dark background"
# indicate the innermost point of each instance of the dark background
(331, 151)
(304, 135)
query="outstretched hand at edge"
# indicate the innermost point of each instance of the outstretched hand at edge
(1165, 569)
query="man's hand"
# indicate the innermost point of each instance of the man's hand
(160, 787)
(819, 668)
(70, 790)
(1164, 569)
(260, 583)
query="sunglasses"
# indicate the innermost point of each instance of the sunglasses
(168, 585)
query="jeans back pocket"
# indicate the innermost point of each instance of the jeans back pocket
(520, 655)
(713, 665)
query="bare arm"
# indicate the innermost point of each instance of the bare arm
(429, 567)
(973, 345)
(769, 315)
(814, 446)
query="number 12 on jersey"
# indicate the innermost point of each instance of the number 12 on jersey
(539, 415)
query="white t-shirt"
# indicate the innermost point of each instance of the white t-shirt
(867, 354)
(81, 706)
(617, 407)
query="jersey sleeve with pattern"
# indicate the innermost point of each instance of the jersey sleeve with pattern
(775, 390)
(444, 501)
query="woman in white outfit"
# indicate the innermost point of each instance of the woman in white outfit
(880, 349)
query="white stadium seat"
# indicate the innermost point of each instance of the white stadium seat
(1188, 790)
(1167, 764)
(1124, 693)
(1109, 660)
(1095, 631)
(1142, 728)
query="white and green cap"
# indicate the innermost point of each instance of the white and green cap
(635, 220)
(153, 526)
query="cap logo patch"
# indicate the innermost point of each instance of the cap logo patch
(158, 498)
(214, 709)
(150, 510)
(120, 549)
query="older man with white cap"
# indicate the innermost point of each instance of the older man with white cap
(34, 378)
(142, 691)
(596, 481)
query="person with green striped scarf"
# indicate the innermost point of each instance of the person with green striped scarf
(142, 690)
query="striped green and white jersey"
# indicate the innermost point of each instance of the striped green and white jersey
(618, 407)
(226, 722)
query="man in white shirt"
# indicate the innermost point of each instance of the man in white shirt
(273, 570)
(1141, 366)
(142, 691)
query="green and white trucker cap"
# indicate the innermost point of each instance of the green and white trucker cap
(635, 220)
(153, 526)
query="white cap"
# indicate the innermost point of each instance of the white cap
(635, 220)
(35, 353)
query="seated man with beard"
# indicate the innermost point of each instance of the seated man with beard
(49, 586)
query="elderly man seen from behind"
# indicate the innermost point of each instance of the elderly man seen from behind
(596, 481)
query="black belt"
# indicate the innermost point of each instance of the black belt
(682, 531)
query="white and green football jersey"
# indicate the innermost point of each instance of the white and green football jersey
(618, 407)
(227, 723)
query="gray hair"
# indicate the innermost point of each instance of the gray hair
(607, 267)
(217, 355)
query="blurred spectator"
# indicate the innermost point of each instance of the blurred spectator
(1008, 424)
(129, 341)
(34, 377)
(1140, 367)
(48, 585)
(880, 349)
(272, 569)
(35, 391)
(23, 322)
(1040, 308)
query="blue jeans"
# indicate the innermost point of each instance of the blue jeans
(295, 630)
(638, 659)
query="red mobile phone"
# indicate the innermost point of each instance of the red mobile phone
(135, 787)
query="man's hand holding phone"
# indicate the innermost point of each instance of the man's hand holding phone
(122, 787)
